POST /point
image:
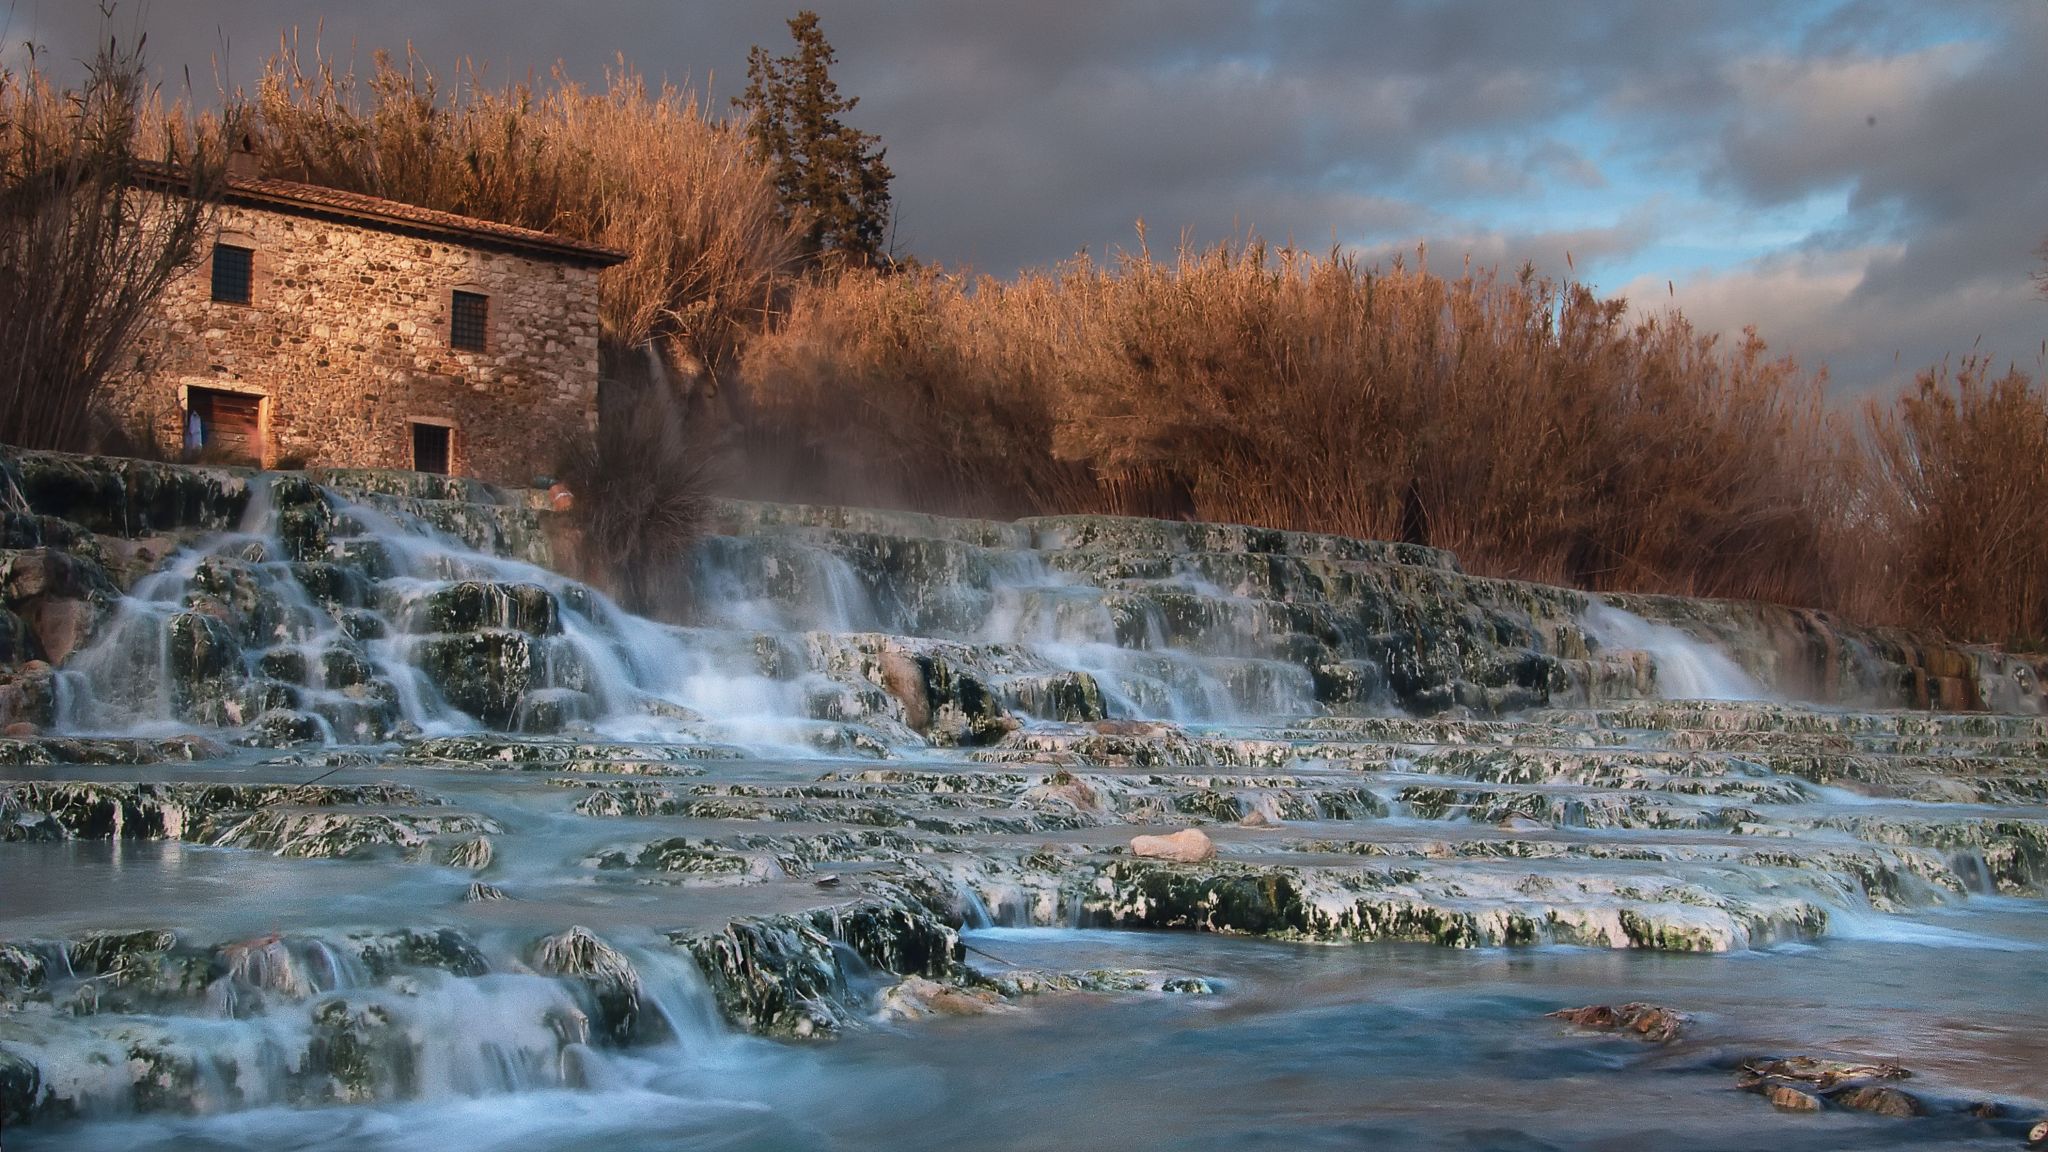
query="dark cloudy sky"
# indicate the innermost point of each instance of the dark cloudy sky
(1865, 181)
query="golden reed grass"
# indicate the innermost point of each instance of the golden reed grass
(1535, 429)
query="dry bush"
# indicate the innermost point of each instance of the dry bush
(910, 389)
(84, 247)
(1960, 464)
(646, 171)
(641, 485)
(1526, 424)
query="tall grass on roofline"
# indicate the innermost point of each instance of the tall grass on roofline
(644, 170)
(84, 249)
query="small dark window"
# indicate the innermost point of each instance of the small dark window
(232, 273)
(469, 320)
(430, 448)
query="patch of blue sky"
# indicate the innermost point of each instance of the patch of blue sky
(1696, 235)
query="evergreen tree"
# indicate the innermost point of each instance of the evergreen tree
(832, 173)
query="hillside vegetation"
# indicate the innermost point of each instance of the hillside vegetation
(1534, 427)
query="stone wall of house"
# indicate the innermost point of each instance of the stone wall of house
(346, 337)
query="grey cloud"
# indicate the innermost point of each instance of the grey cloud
(1947, 191)
(1021, 133)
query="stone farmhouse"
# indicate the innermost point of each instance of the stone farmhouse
(328, 328)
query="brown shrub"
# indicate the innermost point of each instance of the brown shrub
(84, 247)
(1960, 481)
(641, 487)
(913, 389)
(1528, 425)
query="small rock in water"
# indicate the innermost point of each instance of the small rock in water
(1649, 1021)
(581, 954)
(1792, 1099)
(1516, 822)
(916, 998)
(474, 854)
(2037, 1136)
(1881, 1101)
(22, 728)
(1826, 1074)
(480, 891)
(1188, 846)
(1257, 818)
(1066, 788)
(828, 880)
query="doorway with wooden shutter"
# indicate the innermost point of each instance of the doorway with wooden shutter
(226, 426)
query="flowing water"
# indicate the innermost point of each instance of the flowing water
(1368, 1046)
(471, 857)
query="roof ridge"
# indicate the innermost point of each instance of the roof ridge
(399, 215)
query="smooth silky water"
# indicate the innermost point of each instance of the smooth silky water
(1301, 1046)
(1374, 1046)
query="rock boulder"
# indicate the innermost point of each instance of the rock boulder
(1188, 846)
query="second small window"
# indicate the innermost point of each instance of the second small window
(233, 272)
(469, 321)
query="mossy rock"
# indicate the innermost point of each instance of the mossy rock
(443, 949)
(355, 1055)
(484, 674)
(21, 1089)
(476, 605)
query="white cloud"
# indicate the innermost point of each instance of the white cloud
(1815, 305)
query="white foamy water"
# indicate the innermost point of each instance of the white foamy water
(1687, 667)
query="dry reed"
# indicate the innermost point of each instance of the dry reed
(86, 245)
(1528, 425)
(1959, 482)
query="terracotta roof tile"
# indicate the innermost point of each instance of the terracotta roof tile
(393, 215)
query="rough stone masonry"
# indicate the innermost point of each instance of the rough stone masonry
(345, 340)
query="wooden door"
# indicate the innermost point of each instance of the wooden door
(230, 423)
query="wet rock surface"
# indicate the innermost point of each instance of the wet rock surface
(470, 789)
(1649, 1021)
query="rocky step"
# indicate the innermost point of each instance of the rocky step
(123, 497)
(511, 532)
(317, 821)
(1889, 878)
(1747, 717)
(1452, 903)
(751, 518)
(492, 750)
(1135, 534)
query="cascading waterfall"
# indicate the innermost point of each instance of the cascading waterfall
(291, 1022)
(1687, 668)
(380, 947)
(388, 628)
(325, 617)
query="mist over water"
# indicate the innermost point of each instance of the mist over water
(692, 774)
